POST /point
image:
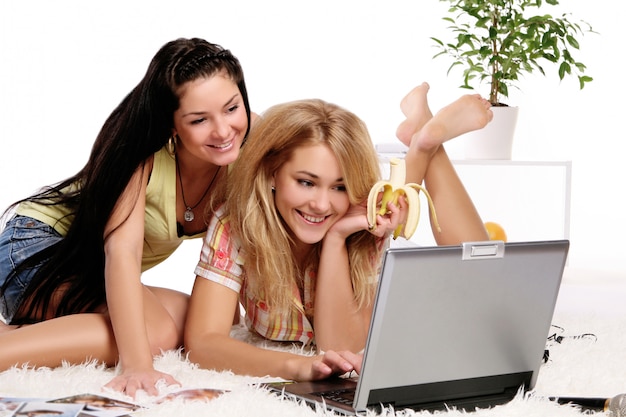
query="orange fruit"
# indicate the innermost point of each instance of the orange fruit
(495, 231)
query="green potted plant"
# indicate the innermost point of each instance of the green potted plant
(498, 41)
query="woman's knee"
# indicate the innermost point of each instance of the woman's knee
(165, 318)
(165, 337)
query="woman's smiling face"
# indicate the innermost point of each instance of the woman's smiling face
(211, 121)
(310, 194)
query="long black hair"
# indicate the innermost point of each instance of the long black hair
(139, 126)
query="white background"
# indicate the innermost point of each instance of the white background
(65, 64)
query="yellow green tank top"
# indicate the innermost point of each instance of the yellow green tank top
(160, 229)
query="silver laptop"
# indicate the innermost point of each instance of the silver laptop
(453, 326)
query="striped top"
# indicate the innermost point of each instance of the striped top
(221, 261)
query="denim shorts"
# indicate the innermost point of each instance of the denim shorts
(21, 238)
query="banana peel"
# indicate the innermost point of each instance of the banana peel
(392, 189)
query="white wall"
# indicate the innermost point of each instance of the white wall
(65, 64)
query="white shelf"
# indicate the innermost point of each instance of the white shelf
(529, 199)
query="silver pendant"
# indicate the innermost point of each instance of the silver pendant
(189, 215)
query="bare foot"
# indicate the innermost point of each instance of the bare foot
(415, 107)
(468, 113)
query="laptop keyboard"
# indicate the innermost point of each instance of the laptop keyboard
(343, 396)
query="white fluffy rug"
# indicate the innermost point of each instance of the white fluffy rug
(583, 367)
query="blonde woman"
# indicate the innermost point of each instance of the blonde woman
(291, 241)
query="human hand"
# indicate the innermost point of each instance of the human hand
(327, 364)
(129, 382)
(395, 216)
(355, 220)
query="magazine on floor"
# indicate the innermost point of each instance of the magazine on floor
(92, 405)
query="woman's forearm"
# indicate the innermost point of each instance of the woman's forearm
(339, 323)
(222, 353)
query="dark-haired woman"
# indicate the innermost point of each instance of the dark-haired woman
(71, 256)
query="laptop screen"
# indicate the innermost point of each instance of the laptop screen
(460, 321)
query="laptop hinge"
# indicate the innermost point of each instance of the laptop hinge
(462, 393)
(491, 249)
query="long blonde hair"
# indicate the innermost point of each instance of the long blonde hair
(254, 219)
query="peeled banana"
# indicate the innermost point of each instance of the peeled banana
(392, 189)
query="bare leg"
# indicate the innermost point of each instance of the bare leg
(75, 338)
(5, 327)
(174, 304)
(428, 162)
(89, 336)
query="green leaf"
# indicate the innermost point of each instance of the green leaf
(499, 41)
(437, 41)
(572, 41)
(582, 79)
(564, 68)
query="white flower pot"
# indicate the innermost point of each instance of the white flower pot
(494, 141)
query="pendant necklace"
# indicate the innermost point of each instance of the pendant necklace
(189, 216)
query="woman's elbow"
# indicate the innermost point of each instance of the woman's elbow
(202, 349)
